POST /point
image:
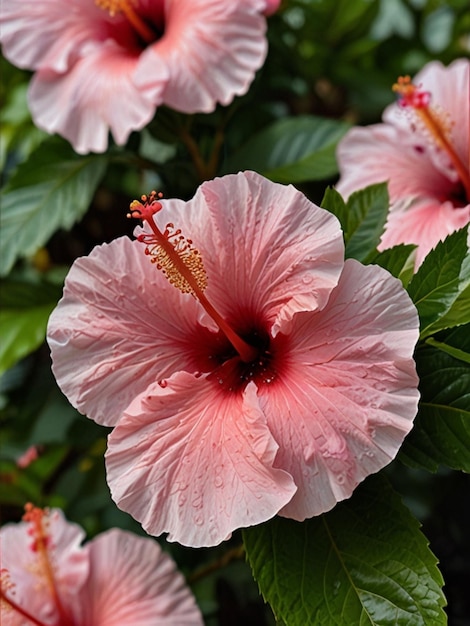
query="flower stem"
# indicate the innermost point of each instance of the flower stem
(193, 149)
(232, 555)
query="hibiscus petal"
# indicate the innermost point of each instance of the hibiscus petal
(424, 223)
(49, 34)
(119, 326)
(349, 397)
(133, 583)
(265, 246)
(381, 153)
(212, 50)
(69, 560)
(195, 461)
(96, 95)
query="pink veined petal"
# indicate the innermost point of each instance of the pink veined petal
(349, 396)
(95, 96)
(382, 153)
(424, 223)
(133, 583)
(31, 590)
(49, 34)
(211, 49)
(119, 326)
(194, 461)
(265, 246)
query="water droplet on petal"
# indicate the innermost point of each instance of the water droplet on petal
(197, 502)
(214, 532)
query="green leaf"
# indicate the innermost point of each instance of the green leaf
(51, 190)
(334, 203)
(441, 433)
(365, 562)
(18, 134)
(440, 288)
(292, 150)
(399, 261)
(362, 218)
(26, 307)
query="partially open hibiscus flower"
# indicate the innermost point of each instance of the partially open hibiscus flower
(118, 579)
(108, 64)
(248, 370)
(423, 151)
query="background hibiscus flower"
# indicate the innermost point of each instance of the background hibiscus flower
(117, 579)
(107, 65)
(424, 158)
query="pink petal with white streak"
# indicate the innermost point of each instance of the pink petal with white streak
(50, 34)
(215, 45)
(424, 223)
(119, 327)
(195, 461)
(343, 407)
(133, 583)
(381, 153)
(95, 96)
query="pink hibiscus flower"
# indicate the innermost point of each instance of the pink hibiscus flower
(108, 64)
(117, 579)
(423, 151)
(272, 380)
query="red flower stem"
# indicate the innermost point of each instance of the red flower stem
(247, 353)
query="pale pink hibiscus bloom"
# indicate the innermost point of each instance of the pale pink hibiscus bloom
(277, 388)
(105, 65)
(118, 579)
(423, 150)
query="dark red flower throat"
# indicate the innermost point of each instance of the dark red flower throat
(145, 27)
(215, 355)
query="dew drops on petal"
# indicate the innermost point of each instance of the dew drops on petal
(196, 502)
